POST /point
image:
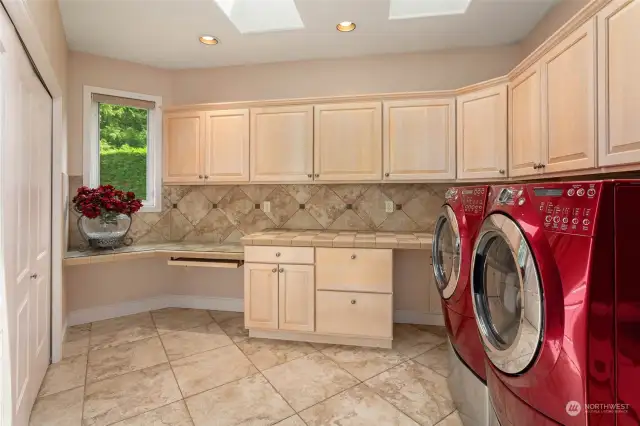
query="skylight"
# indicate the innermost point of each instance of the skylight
(406, 9)
(257, 16)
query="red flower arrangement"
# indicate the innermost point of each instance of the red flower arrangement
(105, 202)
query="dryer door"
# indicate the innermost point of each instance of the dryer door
(446, 252)
(507, 296)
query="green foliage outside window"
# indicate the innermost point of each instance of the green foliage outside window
(123, 148)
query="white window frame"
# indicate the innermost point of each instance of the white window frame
(91, 144)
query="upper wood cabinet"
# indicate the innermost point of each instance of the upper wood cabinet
(348, 142)
(282, 144)
(226, 154)
(419, 139)
(569, 99)
(619, 83)
(525, 139)
(482, 133)
(206, 147)
(184, 134)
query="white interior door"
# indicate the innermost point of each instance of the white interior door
(25, 221)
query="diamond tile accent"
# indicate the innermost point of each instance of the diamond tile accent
(214, 227)
(283, 207)
(235, 205)
(180, 225)
(325, 207)
(258, 193)
(215, 193)
(194, 206)
(370, 207)
(302, 193)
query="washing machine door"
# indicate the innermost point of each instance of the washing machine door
(507, 296)
(446, 252)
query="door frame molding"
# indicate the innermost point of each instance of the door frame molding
(20, 15)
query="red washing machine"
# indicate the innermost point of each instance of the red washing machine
(556, 296)
(454, 237)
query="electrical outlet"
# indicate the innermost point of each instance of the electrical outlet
(266, 206)
(389, 206)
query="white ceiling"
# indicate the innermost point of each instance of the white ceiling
(164, 33)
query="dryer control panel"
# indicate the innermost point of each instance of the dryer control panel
(569, 207)
(473, 199)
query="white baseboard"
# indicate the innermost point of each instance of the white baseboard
(417, 317)
(98, 313)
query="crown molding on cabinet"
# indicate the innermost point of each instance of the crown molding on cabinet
(583, 15)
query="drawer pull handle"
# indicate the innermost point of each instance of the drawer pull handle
(353, 301)
(281, 270)
(353, 256)
(278, 254)
(274, 270)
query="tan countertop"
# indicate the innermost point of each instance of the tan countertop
(348, 239)
(177, 249)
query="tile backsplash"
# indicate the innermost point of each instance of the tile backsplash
(224, 213)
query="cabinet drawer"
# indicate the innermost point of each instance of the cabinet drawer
(354, 269)
(356, 314)
(271, 254)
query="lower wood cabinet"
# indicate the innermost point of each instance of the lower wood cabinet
(297, 293)
(278, 296)
(355, 314)
(261, 295)
(352, 303)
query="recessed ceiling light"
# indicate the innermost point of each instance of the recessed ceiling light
(346, 26)
(207, 39)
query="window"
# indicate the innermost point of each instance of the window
(122, 143)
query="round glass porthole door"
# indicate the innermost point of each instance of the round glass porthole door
(446, 253)
(507, 297)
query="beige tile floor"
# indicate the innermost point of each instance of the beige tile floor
(188, 367)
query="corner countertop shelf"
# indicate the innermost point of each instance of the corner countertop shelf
(347, 239)
(181, 249)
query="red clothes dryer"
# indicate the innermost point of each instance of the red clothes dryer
(557, 302)
(453, 240)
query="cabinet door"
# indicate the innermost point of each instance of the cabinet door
(525, 143)
(568, 96)
(619, 83)
(348, 142)
(297, 298)
(226, 156)
(260, 296)
(482, 134)
(183, 147)
(282, 144)
(419, 139)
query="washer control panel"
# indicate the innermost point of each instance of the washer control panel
(566, 207)
(474, 199)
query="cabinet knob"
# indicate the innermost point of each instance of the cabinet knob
(317, 175)
(281, 270)
(542, 166)
(278, 254)
(535, 165)
(309, 175)
(206, 176)
(353, 301)
(274, 270)
(33, 276)
(386, 175)
(353, 256)
(501, 171)
(200, 177)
